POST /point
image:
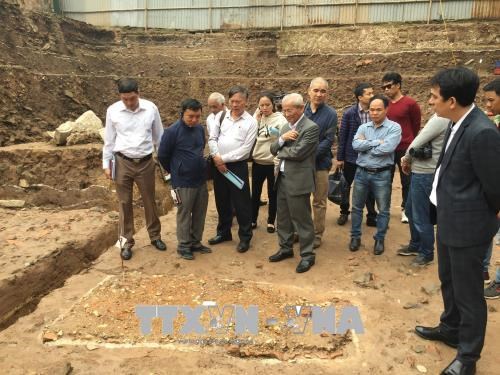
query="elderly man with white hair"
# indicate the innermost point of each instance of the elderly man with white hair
(296, 151)
(216, 104)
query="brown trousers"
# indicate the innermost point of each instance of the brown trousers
(143, 174)
(319, 202)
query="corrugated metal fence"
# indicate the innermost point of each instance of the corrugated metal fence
(243, 14)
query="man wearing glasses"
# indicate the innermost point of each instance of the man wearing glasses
(406, 112)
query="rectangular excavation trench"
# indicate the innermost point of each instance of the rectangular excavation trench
(106, 317)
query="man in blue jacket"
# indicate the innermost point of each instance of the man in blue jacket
(181, 154)
(325, 117)
(352, 118)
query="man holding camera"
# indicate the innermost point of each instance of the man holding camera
(420, 160)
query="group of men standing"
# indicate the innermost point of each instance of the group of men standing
(449, 173)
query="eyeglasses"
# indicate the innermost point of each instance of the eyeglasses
(387, 87)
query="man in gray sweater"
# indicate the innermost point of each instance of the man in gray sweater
(420, 160)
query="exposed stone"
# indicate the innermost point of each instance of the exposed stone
(12, 203)
(23, 183)
(88, 127)
(49, 336)
(430, 288)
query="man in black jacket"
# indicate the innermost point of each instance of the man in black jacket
(466, 197)
(181, 154)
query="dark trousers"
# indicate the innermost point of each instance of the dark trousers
(405, 179)
(227, 196)
(349, 173)
(261, 173)
(465, 313)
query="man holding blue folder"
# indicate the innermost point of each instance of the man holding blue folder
(230, 146)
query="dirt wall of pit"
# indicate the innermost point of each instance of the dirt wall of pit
(53, 68)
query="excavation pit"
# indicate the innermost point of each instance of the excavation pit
(107, 317)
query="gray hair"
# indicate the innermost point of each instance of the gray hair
(318, 80)
(295, 99)
(217, 96)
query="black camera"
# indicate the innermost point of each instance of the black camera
(424, 152)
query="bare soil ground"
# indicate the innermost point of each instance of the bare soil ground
(394, 299)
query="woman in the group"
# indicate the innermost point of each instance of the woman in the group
(270, 123)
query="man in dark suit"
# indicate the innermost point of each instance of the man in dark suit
(466, 197)
(296, 151)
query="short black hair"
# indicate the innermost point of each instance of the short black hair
(270, 96)
(380, 97)
(359, 90)
(493, 86)
(191, 104)
(126, 85)
(238, 89)
(393, 77)
(460, 83)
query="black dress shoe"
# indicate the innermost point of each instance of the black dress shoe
(355, 244)
(458, 368)
(378, 248)
(185, 254)
(159, 244)
(305, 265)
(201, 249)
(342, 219)
(243, 247)
(435, 334)
(281, 255)
(126, 253)
(219, 238)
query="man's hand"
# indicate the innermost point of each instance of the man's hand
(290, 135)
(107, 173)
(361, 137)
(217, 159)
(219, 163)
(221, 168)
(339, 164)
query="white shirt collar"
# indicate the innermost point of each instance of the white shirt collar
(459, 122)
(294, 125)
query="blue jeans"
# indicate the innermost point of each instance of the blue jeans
(380, 185)
(417, 210)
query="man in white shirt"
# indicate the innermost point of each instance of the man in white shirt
(230, 144)
(216, 105)
(133, 128)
